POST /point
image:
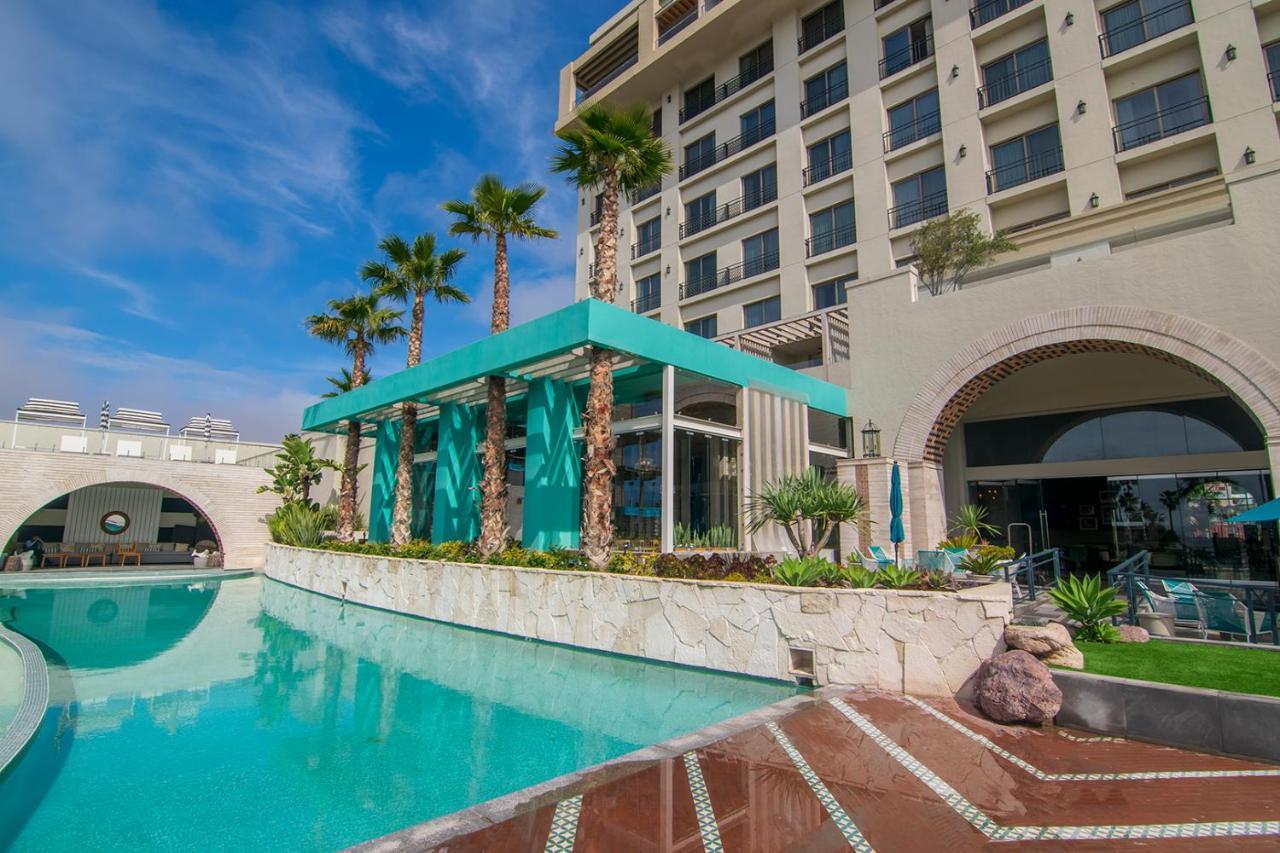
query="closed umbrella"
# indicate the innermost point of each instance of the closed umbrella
(896, 533)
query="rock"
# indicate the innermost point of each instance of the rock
(1015, 687)
(1050, 643)
(1133, 634)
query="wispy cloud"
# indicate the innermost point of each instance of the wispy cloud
(138, 300)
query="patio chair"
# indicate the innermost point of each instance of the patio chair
(128, 550)
(1167, 604)
(1184, 597)
(879, 557)
(934, 561)
(1224, 613)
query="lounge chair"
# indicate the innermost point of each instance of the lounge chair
(879, 557)
(1224, 613)
(1168, 605)
(934, 561)
(129, 551)
(1184, 597)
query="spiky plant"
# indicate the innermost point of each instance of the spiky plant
(809, 508)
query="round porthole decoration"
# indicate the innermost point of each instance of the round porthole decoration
(114, 523)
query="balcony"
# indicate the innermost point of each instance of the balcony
(824, 169)
(1039, 165)
(1168, 122)
(730, 275)
(1274, 79)
(617, 72)
(985, 13)
(673, 16)
(727, 211)
(644, 193)
(815, 36)
(1163, 20)
(728, 88)
(900, 60)
(1024, 80)
(725, 150)
(899, 137)
(918, 210)
(820, 244)
(647, 303)
(809, 340)
(825, 98)
(640, 248)
(595, 217)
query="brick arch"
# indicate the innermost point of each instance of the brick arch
(1210, 353)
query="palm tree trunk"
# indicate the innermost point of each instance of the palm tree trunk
(349, 495)
(493, 487)
(402, 514)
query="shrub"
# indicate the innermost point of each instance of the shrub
(735, 577)
(961, 540)
(970, 521)
(1002, 552)
(802, 571)
(981, 562)
(808, 507)
(857, 577)
(1090, 603)
(897, 577)
(300, 523)
(935, 580)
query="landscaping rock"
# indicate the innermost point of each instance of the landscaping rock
(1015, 687)
(1133, 634)
(1050, 643)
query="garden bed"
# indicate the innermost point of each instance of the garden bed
(1202, 665)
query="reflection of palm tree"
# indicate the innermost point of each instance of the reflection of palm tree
(277, 672)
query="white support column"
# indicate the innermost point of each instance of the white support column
(667, 538)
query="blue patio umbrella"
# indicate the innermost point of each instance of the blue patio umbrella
(1269, 511)
(896, 533)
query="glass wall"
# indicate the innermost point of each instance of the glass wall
(705, 399)
(637, 490)
(706, 490)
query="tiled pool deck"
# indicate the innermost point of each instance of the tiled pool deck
(860, 770)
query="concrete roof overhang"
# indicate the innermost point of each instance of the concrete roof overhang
(555, 345)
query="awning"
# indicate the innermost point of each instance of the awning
(1269, 511)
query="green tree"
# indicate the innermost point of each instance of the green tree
(614, 151)
(809, 508)
(409, 275)
(297, 470)
(947, 249)
(498, 212)
(970, 521)
(359, 324)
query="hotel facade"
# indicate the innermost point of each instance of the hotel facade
(1111, 386)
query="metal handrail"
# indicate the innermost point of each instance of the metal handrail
(914, 53)
(682, 22)
(845, 235)
(1025, 170)
(645, 304)
(1029, 564)
(829, 29)
(727, 149)
(824, 169)
(640, 248)
(924, 208)
(729, 210)
(730, 275)
(924, 125)
(729, 87)
(1023, 80)
(1145, 33)
(1196, 111)
(985, 13)
(1140, 561)
(830, 95)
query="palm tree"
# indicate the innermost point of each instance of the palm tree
(498, 211)
(613, 150)
(297, 470)
(359, 323)
(414, 273)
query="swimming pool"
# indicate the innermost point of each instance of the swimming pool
(251, 715)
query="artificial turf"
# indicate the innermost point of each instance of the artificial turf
(1239, 669)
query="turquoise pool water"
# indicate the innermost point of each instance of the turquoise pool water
(249, 715)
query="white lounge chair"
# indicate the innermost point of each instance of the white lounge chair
(128, 448)
(73, 444)
(179, 453)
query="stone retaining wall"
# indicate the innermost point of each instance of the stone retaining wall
(925, 643)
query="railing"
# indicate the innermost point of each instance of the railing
(1027, 169)
(1167, 122)
(1024, 80)
(827, 97)
(728, 210)
(730, 275)
(591, 272)
(918, 210)
(810, 40)
(728, 88)
(1163, 20)
(985, 13)
(583, 94)
(880, 4)
(727, 149)
(824, 169)
(645, 304)
(644, 193)
(88, 441)
(679, 24)
(1031, 573)
(917, 51)
(595, 217)
(925, 125)
(640, 248)
(845, 235)
(1274, 79)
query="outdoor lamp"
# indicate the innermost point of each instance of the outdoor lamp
(1069, 19)
(963, 151)
(870, 440)
(1093, 200)
(1250, 156)
(1081, 107)
(955, 71)
(1231, 53)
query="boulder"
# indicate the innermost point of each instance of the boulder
(1050, 643)
(1133, 634)
(1015, 687)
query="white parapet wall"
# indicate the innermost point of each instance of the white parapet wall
(925, 643)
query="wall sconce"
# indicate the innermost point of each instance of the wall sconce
(962, 152)
(955, 71)
(583, 203)
(668, 211)
(1093, 200)
(1069, 19)
(668, 99)
(1081, 108)
(1231, 53)
(870, 441)
(668, 269)
(1250, 156)
(581, 251)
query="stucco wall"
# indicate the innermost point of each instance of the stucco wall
(918, 642)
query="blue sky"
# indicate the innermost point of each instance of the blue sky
(182, 183)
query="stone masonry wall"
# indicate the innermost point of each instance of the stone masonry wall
(925, 643)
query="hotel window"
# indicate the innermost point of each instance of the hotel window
(699, 98)
(1171, 107)
(831, 293)
(703, 327)
(817, 27)
(648, 294)
(1026, 158)
(649, 236)
(765, 311)
(700, 213)
(1130, 24)
(831, 156)
(912, 120)
(656, 125)
(1272, 52)
(823, 90)
(756, 63)
(919, 197)
(830, 229)
(1018, 72)
(760, 187)
(597, 209)
(760, 253)
(700, 274)
(756, 124)
(909, 45)
(699, 154)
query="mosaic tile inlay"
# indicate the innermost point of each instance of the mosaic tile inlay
(564, 825)
(702, 805)
(842, 820)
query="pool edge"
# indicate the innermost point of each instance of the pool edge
(35, 699)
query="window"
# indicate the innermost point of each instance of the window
(650, 237)
(1025, 158)
(656, 126)
(754, 64)
(831, 293)
(700, 274)
(1130, 24)
(698, 155)
(597, 209)
(756, 124)
(1171, 107)
(1020, 71)
(907, 46)
(830, 229)
(821, 25)
(760, 253)
(1272, 52)
(703, 327)
(760, 187)
(831, 156)
(765, 311)
(919, 197)
(912, 120)
(823, 90)
(648, 294)
(700, 213)
(987, 11)
(699, 98)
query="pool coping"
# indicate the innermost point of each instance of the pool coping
(27, 580)
(438, 831)
(35, 699)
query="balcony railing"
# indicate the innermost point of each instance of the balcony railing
(818, 35)
(918, 210)
(925, 125)
(917, 51)
(729, 275)
(595, 217)
(825, 98)
(724, 150)
(1274, 79)
(647, 303)
(640, 248)
(1024, 80)
(679, 24)
(728, 88)
(644, 193)
(725, 212)
(824, 169)
(1163, 20)
(985, 13)
(846, 235)
(880, 4)
(583, 94)
(1167, 122)
(1038, 165)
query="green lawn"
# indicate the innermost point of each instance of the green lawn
(1240, 669)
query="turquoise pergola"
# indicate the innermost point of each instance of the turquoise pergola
(545, 359)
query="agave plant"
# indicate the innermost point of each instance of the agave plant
(857, 577)
(801, 571)
(984, 561)
(897, 577)
(301, 524)
(1090, 603)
